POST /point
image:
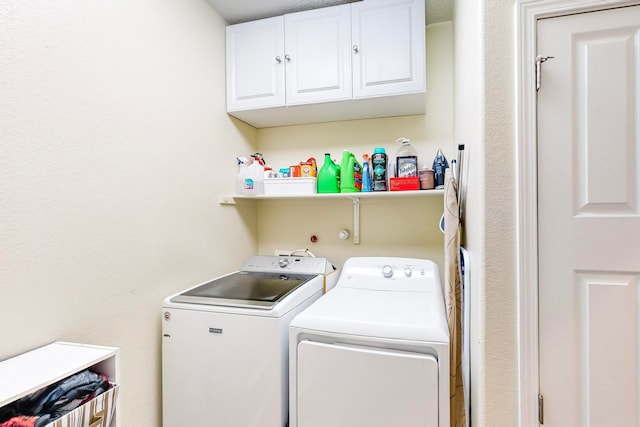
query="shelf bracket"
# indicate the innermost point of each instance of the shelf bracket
(356, 220)
(225, 199)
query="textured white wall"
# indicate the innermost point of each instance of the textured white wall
(484, 111)
(501, 319)
(114, 146)
(469, 130)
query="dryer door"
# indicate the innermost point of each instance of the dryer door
(341, 385)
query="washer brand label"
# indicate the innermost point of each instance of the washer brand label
(215, 330)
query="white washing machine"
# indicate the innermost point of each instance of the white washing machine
(225, 343)
(373, 352)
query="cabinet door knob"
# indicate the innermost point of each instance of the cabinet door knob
(287, 57)
(278, 60)
(355, 48)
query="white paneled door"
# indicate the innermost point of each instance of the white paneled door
(589, 218)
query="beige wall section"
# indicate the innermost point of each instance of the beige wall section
(500, 322)
(469, 130)
(484, 111)
(397, 227)
(115, 146)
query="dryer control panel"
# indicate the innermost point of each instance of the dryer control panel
(393, 274)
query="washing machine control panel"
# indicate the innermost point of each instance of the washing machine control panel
(287, 264)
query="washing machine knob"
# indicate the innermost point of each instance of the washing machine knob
(387, 271)
(407, 271)
(283, 262)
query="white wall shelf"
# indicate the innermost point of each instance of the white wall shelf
(226, 199)
(230, 199)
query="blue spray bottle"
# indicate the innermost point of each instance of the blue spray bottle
(366, 174)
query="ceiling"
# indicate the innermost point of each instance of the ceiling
(235, 11)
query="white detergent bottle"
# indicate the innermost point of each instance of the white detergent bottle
(253, 179)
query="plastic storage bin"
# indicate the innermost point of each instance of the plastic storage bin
(290, 186)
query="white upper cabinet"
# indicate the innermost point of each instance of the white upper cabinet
(318, 56)
(389, 47)
(255, 68)
(328, 64)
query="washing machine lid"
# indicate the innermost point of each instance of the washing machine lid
(410, 316)
(244, 289)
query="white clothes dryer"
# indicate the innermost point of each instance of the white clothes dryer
(374, 351)
(225, 343)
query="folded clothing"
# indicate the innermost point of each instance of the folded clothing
(54, 401)
(20, 421)
(28, 421)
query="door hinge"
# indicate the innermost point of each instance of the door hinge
(540, 408)
(539, 60)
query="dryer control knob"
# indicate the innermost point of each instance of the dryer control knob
(387, 271)
(407, 271)
(283, 262)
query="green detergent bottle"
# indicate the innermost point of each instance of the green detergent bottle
(329, 176)
(350, 173)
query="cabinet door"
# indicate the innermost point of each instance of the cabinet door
(317, 48)
(388, 47)
(255, 64)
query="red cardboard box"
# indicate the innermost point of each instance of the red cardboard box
(404, 184)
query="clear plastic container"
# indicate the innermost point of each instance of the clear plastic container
(406, 159)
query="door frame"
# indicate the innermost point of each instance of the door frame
(527, 13)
